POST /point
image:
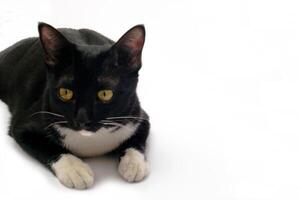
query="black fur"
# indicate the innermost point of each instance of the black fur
(32, 70)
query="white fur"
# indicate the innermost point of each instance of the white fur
(73, 172)
(133, 166)
(86, 144)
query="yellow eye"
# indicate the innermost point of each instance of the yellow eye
(65, 94)
(105, 95)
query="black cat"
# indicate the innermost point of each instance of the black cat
(73, 93)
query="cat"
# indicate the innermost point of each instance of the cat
(72, 94)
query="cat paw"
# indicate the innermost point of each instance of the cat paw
(133, 167)
(73, 172)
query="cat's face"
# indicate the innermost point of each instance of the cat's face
(87, 84)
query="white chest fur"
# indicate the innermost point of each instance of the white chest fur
(87, 144)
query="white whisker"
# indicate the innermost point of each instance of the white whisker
(114, 124)
(127, 117)
(107, 121)
(54, 123)
(111, 123)
(46, 112)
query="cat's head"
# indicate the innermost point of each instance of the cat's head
(87, 83)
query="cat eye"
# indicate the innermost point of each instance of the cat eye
(65, 94)
(105, 95)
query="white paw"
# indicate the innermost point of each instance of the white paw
(73, 172)
(133, 167)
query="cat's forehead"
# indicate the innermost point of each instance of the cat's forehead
(89, 75)
(108, 80)
(91, 65)
(84, 80)
(93, 59)
(93, 50)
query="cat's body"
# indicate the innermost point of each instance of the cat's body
(84, 65)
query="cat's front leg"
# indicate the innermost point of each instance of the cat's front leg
(70, 170)
(133, 165)
(73, 172)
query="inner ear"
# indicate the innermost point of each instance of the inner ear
(129, 48)
(54, 44)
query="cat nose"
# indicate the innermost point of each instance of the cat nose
(82, 119)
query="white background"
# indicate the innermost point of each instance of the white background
(220, 80)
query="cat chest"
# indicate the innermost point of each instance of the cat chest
(88, 144)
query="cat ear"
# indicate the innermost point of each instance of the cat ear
(129, 48)
(53, 42)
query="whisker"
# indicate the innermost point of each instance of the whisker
(117, 125)
(114, 124)
(111, 123)
(128, 117)
(46, 112)
(108, 121)
(54, 123)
